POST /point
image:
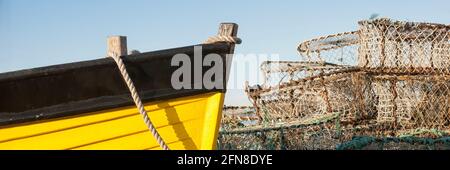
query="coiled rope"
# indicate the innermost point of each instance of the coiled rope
(137, 100)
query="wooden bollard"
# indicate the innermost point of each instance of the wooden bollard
(228, 29)
(117, 45)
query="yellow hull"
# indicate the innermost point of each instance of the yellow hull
(184, 123)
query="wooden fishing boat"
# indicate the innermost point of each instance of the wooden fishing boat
(86, 105)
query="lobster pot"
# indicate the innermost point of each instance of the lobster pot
(281, 72)
(414, 101)
(395, 46)
(341, 48)
(347, 94)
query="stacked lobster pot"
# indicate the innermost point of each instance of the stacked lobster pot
(409, 64)
(389, 78)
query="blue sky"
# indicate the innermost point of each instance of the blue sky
(46, 32)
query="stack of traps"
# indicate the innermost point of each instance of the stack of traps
(392, 76)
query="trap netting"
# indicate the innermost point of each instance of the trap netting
(387, 46)
(396, 102)
(413, 101)
(411, 47)
(339, 48)
(328, 132)
(308, 97)
(280, 72)
(303, 134)
(234, 117)
(391, 104)
(398, 84)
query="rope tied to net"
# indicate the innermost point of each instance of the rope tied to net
(137, 100)
(221, 38)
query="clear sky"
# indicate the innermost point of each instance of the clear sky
(36, 33)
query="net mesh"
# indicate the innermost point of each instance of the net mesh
(339, 48)
(396, 46)
(282, 72)
(328, 132)
(385, 86)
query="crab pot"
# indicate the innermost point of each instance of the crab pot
(396, 46)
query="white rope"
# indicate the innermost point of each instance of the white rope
(220, 38)
(137, 101)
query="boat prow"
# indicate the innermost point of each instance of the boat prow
(86, 105)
